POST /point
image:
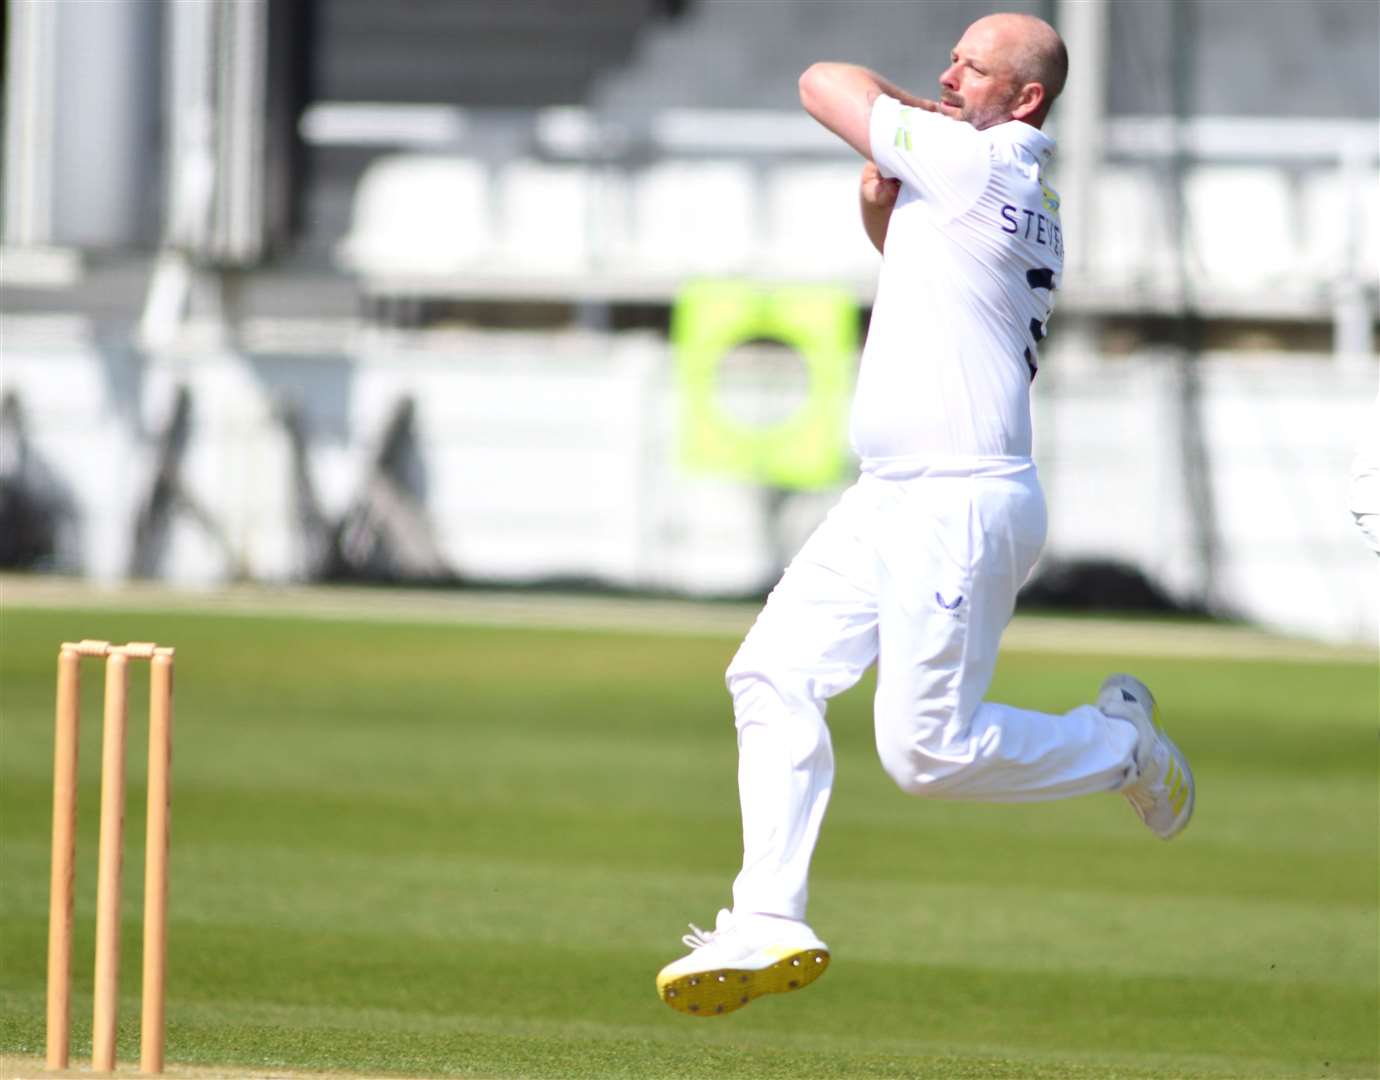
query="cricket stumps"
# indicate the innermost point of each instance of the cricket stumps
(111, 852)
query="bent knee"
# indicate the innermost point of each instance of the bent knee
(753, 672)
(908, 773)
(766, 698)
(742, 669)
(924, 761)
(922, 776)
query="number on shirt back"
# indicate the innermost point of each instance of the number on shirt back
(1040, 277)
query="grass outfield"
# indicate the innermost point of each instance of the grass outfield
(428, 850)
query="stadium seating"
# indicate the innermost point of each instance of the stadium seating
(1241, 227)
(419, 214)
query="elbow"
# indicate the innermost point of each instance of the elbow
(839, 95)
(811, 86)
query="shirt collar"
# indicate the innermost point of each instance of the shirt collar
(1031, 138)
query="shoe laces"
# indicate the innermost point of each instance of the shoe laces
(1141, 799)
(698, 938)
(1148, 790)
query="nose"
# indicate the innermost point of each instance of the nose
(949, 79)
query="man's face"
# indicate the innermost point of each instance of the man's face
(979, 85)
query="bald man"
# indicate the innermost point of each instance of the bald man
(917, 567)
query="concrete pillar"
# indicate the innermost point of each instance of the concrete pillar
(82, 116)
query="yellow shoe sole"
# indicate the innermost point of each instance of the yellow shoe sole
(715, 992)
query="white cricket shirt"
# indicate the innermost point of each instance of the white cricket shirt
(974, 252)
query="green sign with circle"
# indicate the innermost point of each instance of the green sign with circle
(807, 450)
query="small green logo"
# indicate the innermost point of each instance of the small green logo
(902, 139)
(1050, 197)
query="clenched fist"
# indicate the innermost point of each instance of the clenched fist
(876, 189)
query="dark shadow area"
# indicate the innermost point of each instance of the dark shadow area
(38, 515)
(1101, 585)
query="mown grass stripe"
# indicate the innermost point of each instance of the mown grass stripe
(1036, 633)
(438, 850)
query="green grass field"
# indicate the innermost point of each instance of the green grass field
(433, 850)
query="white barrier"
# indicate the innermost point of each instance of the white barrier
(552, 456)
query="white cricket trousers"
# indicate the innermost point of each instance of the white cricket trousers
(918, 573)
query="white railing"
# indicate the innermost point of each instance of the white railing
(1254, 218)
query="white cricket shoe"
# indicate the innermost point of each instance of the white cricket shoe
(1163, 789)
(742, 958)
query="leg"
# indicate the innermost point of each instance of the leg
(955, 553)
(814, 639)
(816, 636)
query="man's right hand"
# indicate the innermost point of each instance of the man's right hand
(877, 194)
(905, 97)
(876, 189)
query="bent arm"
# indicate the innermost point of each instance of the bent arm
(877, 197)
(840, 97)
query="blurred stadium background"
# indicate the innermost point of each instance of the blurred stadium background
(486, 293)
(342, 290)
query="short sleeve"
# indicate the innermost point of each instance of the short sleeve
(948, 162)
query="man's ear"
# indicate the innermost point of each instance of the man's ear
(1028, 101)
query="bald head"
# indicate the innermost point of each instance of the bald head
(1037, 51)
(1020, 65)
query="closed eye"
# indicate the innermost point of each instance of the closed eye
(953, 59)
